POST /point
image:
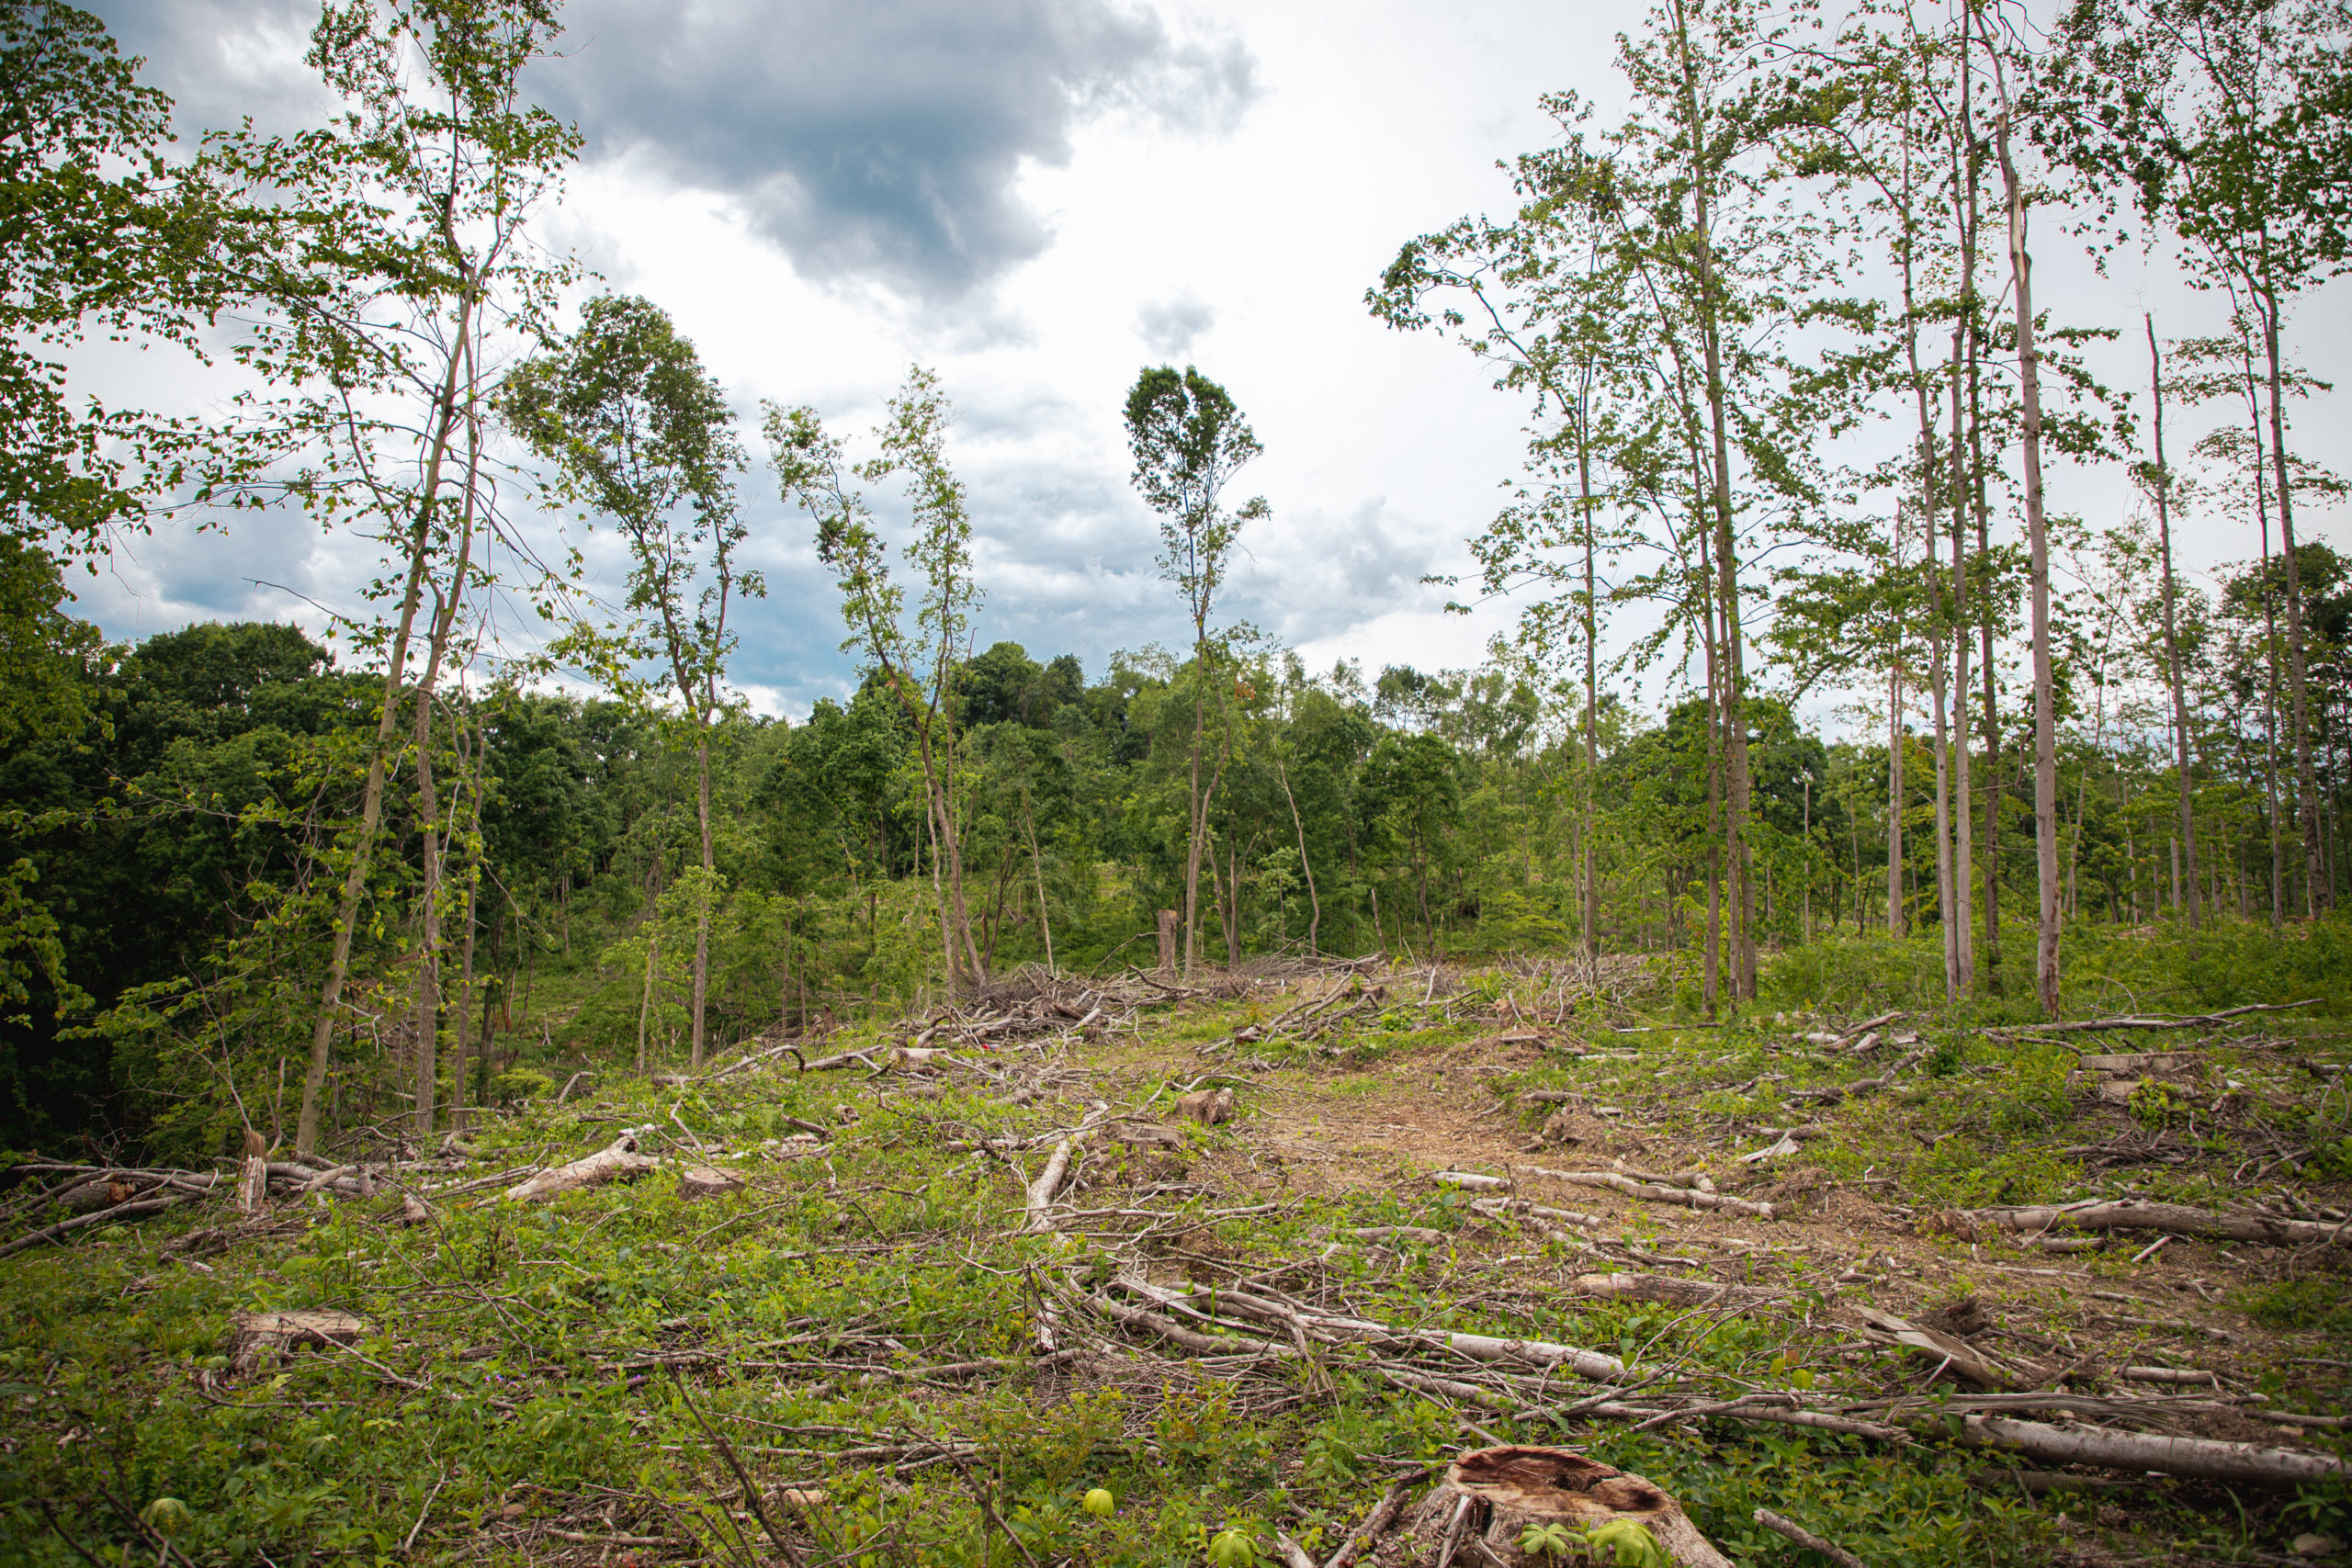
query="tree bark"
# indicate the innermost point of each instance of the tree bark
(371, 809)
(2045, 718)
(2184, 878)
(1493, 1496)
(2318, 895)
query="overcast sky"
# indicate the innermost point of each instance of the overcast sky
(1036, 198)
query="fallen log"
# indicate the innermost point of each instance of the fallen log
(1504, 1499)
(2097, 1025)
(1964, 1360)
(132, 1209)
(1684, 1196)
(1049, 1182)
(2206, 1459)
(2175, 1219)
(617, 1161)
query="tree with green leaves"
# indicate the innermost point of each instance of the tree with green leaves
(918, 649)
(97, 231)
(638, 432)
(1189, 439)
(2229, 125)
(387, 249)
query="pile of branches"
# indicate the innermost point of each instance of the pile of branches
(91, 1195)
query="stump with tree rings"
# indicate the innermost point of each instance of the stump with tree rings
(1490, 1496)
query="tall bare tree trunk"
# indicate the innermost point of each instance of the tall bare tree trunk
(2318, 893)
(1992, 966)
(2045, 718)
(1306, 866)
(1731, 664)
(1589, 889)
(705, 893)
(1198, 820)
(2186, 884)
(2270, 661)
(1894, 750)
(1037, 863)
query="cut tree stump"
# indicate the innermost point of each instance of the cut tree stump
(1207, 1106)
(1490, 1496)
(617, 1161)
(709, 1181)
(260, 1337)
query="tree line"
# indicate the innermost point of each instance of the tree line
(1785, 388)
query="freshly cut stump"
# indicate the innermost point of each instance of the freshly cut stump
(1490, 1496)
(709, 1181)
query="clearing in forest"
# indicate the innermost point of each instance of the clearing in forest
(1151, 1272)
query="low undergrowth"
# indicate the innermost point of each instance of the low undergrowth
(872, 1334)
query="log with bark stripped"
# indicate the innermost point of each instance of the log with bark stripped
(616, 1161)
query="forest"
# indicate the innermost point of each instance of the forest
(1817, 722)
(1796, 460)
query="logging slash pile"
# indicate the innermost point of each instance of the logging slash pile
(1322, 1264)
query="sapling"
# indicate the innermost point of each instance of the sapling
(1232, 1547)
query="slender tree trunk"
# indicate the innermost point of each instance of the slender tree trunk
(706, 892)
(371, 809)
(1589, 888)
(429, 812)
(2270, 683)
(1947, 905)
(465, 975)
(1306, 866)
(645, 1003)
(1962, 791)
(1993, 787)
(2045, 718)
(2318, 895)
(1199, 818)
(948, 846)
(1734, 719)
(1711, 981)
(1037, 862)
(2187, 879)
(1895, 761)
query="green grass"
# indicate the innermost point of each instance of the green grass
(513, 1359)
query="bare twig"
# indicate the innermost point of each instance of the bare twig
(1803, 1537)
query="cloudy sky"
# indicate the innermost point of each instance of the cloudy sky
(1035, 197)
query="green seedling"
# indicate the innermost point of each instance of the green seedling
(1233, 1549)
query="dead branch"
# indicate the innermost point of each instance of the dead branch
(2207, 1458)
(2096, 1025)
(1803, 1537)
(2175, 1219)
